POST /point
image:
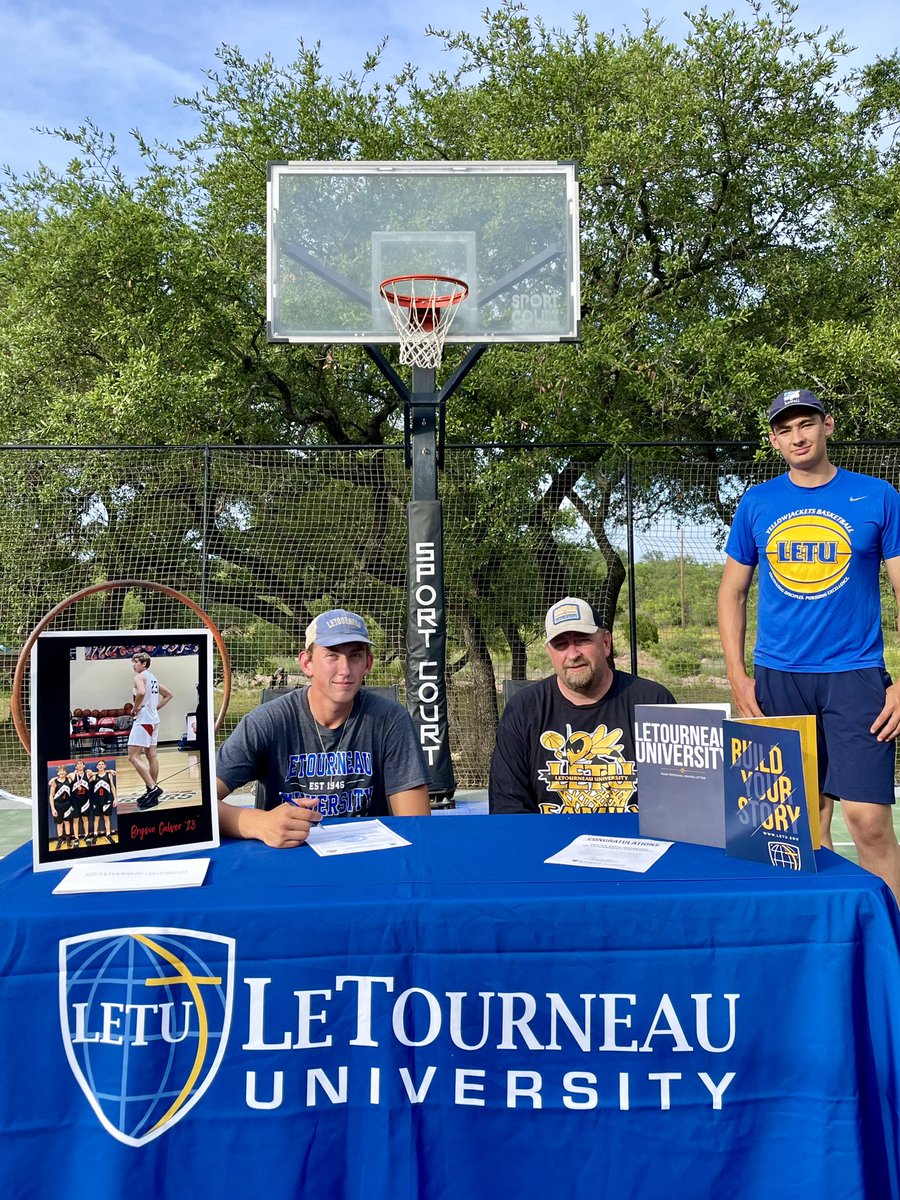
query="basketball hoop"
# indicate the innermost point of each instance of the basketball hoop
(422, 308)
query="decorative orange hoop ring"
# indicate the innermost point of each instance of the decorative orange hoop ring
(15, 706)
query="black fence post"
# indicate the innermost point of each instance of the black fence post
(204, 562)
(632, 600)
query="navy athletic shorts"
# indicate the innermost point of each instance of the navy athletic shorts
(853, 764)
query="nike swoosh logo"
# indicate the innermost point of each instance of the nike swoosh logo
(853, 499)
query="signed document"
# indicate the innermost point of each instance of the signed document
(616, 853)
(353, 837)
(132, 876)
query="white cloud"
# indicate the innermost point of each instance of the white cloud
(70, 55)
(122, 65)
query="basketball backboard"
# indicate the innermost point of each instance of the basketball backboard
(337, 230)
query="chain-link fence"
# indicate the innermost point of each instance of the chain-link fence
(264, 537)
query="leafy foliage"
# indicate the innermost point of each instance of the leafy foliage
(740, 233)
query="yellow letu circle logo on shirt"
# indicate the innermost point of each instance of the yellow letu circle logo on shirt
(808, 555)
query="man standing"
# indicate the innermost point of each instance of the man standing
(103, 801)
(819, 535)
(566, 743)
(148, 697)
(80, 791)
(62, 806)
(328, 750)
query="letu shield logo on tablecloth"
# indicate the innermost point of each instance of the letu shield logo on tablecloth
(145, 1015)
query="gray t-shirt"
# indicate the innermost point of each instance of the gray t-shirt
(350, 771)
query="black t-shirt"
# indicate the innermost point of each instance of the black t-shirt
(553, 756)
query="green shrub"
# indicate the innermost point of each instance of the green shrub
(683, 662)
(647, 631)
(685, 641)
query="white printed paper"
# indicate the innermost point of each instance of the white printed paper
(353, 837)
(133, 876)
(616, 853)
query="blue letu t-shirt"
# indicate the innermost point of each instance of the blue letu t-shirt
(819, 551)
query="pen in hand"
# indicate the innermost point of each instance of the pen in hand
(310, 806)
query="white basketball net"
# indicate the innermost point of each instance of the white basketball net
(422, 310)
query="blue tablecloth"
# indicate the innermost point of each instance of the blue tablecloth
(454, 1019)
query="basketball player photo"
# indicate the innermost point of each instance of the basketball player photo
(112, 776)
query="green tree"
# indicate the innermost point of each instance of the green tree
(723, 256)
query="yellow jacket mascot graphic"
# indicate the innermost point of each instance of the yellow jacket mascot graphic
(588, 772)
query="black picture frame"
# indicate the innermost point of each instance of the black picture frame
(75, 821)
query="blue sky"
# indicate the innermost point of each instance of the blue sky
(122, 64)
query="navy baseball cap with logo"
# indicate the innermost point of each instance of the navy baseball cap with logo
(335, 627)
(570, 615)
(799, 398)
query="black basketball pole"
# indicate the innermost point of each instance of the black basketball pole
(426, 623)
(426, 618)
